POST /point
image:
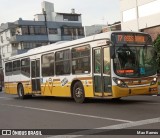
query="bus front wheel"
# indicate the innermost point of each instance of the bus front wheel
(21, 92)
(78, 92)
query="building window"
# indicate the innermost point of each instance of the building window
(33, 45)
(31, 30)
(48, 65)
(53, 31)
(70, 17)
(80, 31)
(73, 31)
(13, 31)
(129, 15)
(37, 30)
(63, 62)
(81, 60)
(66, 31)
(43, 30)
(25, 30)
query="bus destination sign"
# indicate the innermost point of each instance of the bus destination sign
(132, 38)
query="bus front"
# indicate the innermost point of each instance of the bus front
(134, 65)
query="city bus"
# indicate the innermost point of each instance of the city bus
(91, 67)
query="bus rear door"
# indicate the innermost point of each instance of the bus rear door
(35, 75)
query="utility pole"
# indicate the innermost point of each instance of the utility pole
(45, 20)
(137, 15)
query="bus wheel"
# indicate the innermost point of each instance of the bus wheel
(21, 92)
(78, 92)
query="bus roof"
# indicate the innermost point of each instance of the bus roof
(65, 44)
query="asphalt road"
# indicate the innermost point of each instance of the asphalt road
(137, 112)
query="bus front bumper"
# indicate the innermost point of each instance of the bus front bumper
(145, 90)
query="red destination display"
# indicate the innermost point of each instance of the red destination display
(132, 38)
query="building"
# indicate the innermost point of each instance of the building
(48, 27)
(141, 15)
(96, 29)
(93, 29)
(112, 27)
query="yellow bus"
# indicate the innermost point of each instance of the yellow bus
(91, 67)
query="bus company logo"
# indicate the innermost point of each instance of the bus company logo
(6, 132)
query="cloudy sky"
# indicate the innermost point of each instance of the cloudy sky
(93, 11)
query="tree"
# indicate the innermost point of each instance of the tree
(157, 48)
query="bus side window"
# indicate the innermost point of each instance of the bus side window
(48, 64)
(81, 60)
(62, 62)
(25, 67)
(8, 68)
(16, 67)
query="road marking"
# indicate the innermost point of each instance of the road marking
(151, 103)
(6, 98)
(68, 113)
(104, 129)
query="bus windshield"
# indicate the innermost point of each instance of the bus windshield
(135, 61)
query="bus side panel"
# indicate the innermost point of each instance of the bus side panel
(10, 87)
(88, 88)
(88, 91)
(27, 87)
(87, 83)
(13, 88)
(6, 87)
(55, 89)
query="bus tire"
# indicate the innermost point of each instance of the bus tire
(78, 92)
(21, 92)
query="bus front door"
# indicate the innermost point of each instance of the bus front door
(101, 71)
(35, 75)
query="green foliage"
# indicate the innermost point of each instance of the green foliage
(157, 48)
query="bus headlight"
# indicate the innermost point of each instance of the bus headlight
(120, 83)
(154, 81)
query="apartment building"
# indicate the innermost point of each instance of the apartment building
(48, 27)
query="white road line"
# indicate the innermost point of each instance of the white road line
(103, 129)
(151, 103)
(68, 113)
(5, 98)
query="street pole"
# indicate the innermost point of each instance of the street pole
(45, 20)
(137, 15)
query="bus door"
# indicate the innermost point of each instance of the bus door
(35, 75)
(101, 71)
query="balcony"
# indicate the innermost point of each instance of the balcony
(69, 37)
(20, 38)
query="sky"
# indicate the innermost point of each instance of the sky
(93, 11)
